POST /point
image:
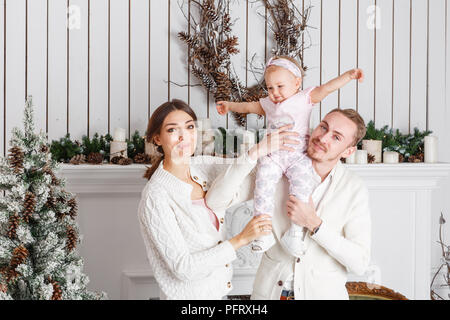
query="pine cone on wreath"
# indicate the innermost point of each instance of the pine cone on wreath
(142, 158)
(125, 161)
(51, 200)
(16, 159)
(78, 159)
(3, 287)
(370, 158)
(44, 148)
(401, 158)
(95, 158)
(71, 238)
(13, 224)
(418, 158)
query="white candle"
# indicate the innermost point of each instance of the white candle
(249, 137)
(373, 147)
(431, 149)
(351, 159)
(119, 134)
(391, 157)
(361, 156)
(118, 148)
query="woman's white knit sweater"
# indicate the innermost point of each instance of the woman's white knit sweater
(190, 259)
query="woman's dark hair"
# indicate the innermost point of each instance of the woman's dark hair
(155, 124)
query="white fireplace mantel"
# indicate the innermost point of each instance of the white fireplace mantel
(401, 197)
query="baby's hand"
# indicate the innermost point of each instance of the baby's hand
(223, 107)
(357, 74)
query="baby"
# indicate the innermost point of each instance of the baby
(286, 105)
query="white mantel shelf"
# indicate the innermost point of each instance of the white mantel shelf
(402, 204)
(108, 178)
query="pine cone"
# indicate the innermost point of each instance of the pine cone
(57, 292)
(78, 159)
(44, 148)
(72, 203)
(51, 200)
(19, 256)
(3, 287)
(401, 158)
(13, 224)
(49, 171)
(95, 158)
(16, 159)
(29, 206)
(142, 158)
(71, 238)
(116, 159)
(370, 158)
(125, 161)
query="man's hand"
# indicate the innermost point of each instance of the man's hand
(303, 214)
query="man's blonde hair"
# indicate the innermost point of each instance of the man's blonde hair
(356, 118)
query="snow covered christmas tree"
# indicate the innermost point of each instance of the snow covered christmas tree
(38, 231)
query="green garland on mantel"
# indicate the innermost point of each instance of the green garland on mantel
(407, 145)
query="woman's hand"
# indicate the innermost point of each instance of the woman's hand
(273, 142)
(223, 107)
(257, 227)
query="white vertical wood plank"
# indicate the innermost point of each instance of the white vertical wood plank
(446, 155)
(78, 71)
(15, 70)
(178, 56)
(401, 65)
(98, 73)
(256, 48)
(238, 12)
(312, 56)
(57, 70)
(366, 60)
(139, 66)
(3, 145)
(119, 65)
(436, 89)
(197, 93)
(37, 62)
(419, 65)
(383, 85)
(159, 53)
(348, 47)
(330, 45)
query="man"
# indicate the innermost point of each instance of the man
(336, 221)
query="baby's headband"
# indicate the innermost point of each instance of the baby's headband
(286, 64)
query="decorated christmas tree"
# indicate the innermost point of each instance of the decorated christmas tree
(38, 231)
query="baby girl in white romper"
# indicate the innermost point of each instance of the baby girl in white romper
(285, 105)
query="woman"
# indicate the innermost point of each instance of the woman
(184, 238)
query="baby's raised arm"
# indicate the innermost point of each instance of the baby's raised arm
(223, 107)
(320, 93)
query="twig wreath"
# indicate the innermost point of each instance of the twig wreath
(211, 43)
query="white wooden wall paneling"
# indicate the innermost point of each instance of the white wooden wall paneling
(119, 76)
(16, 63)
(57, 69)
(139, 63)
(383, 65)
(401, 58)
(3, 145)
(159, 53)
(98, 69)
